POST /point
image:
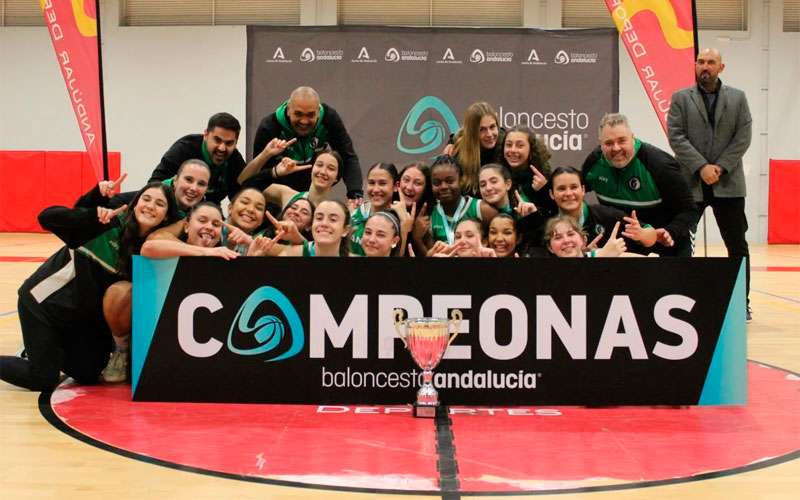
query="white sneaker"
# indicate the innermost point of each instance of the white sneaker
(117, 368)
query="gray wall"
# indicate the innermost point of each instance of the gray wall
(163, 82)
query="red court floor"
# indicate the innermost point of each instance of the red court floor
(464, 451)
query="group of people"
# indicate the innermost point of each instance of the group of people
(491, 193)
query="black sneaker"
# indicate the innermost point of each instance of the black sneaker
(749, 314)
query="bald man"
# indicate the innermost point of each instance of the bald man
(300, 126)
(709, 129)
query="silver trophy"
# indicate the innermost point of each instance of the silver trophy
(427, 339)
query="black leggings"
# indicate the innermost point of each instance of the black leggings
(79, 350)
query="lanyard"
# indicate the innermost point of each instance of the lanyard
(450, 223)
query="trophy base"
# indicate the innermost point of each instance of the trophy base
(424, 411)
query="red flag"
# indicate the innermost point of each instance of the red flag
(74, 29)
(660, 38)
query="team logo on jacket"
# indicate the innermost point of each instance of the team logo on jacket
(634, 183)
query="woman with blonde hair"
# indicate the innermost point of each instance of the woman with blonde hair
(478, 142)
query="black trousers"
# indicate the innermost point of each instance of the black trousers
(732, 223)
(79, 350)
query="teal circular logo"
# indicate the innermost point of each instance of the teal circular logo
(427, 127)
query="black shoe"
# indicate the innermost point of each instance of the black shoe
(749, 314)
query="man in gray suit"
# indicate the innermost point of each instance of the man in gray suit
(709, 131)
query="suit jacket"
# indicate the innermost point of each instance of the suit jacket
(695, 143)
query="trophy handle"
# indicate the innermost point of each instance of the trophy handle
(455, 321)
(398, 323)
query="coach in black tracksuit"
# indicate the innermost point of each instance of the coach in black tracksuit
(313, 126)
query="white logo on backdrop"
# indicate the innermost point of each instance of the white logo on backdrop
(363, 57)
(449, 58)
(533, 59)
(363, 54)
(477, 56)
(278, 54)
(392, 55)
(561, 57)
(307, 55)
(278, 57)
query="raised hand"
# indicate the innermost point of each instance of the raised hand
(288, 166)
(663, 237)
(262, 245)
(237, 236)
(106, 215)
(287, 227)
(107, 187)
(277, 146)
(539, 180)
(406, 219)
(411, 250)
(422, 224)
(614, 247)
(450, 250)
(593, 245)
(523, 208)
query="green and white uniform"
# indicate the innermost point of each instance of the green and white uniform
(358, 219)
(309, 249)
(443, 226)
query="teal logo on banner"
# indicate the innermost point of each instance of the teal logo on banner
(418, 135)
(268, 331)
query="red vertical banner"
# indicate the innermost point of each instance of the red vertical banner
(74, 30)
(660, 38)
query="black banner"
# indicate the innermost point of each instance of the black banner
(535, 331)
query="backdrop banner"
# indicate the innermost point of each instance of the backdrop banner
(402, 91)
(583, 332)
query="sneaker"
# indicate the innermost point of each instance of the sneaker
(117, 368)
(749, 314)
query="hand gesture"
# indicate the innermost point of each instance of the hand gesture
(288, 166)
(539, 180)
(106, 215)
(406, 219)
(422, 224)
(107, 187)
(664, 237)
(593, 245)
(614, 247)
(633, 229)
(448, 150)
(411, 250)
(236, 236)
(449, 250)
(523, 208)
(486, 252)
(261, 245)
(277, 146)
(287, 228)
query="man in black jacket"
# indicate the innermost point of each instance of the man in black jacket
(630, 174)
(299, 127)
(216, 146)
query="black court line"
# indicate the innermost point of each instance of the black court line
(776, 296)
(46, 409)
(446, 455)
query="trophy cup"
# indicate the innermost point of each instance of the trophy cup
(427, 339)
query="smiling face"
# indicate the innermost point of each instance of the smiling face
(494, 188)
(247, 210)
(617, 144)
(191, 185)
(502, 236)
(221, 143)
(204, 228)
(325, 171)
(300, 213)
(412, 184)
(150, 210)
(303, 112)
(488, 131)
(517, 149)
(566, 241)
(444, 181)
(469, 231)
(329, 224)
(567, 192)
(380, 187)
(379, 237)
